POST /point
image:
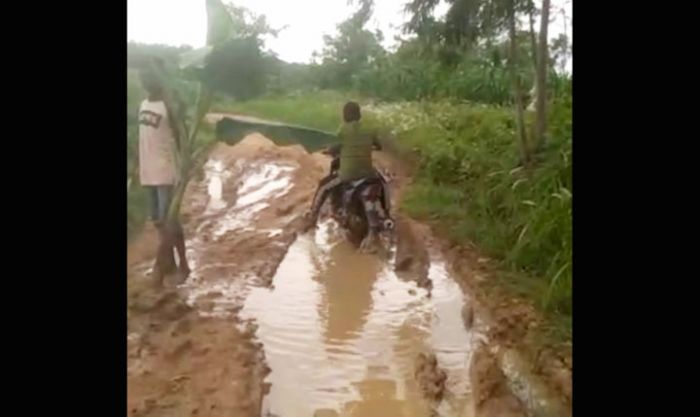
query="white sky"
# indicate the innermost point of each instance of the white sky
(183, 22)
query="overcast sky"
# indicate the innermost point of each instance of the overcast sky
(183, 22)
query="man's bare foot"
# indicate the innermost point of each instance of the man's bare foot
(369, 243)
(158, 225)
(157, 278)
(185, 270)
(307, 223)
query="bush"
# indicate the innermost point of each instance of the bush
(468, 181)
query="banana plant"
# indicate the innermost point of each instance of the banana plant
(219, 30)
(231, 63)
(209, 66)
(227, 63)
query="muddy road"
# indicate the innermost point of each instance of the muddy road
(271, 323)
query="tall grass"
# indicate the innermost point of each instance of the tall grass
(320, 110)
(469, 182)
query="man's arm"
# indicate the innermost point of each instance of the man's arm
(134, 173)
(135, 169)
(173, 127)
(376, 143)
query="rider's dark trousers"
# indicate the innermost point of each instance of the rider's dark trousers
(325, 189)
(368, 195)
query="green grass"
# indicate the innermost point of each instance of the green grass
(468, 183)
(320, 110)
(317, 111)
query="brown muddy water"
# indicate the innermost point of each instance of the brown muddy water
(341, 331)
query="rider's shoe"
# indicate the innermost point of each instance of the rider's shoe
(307, 223)
(369, 243)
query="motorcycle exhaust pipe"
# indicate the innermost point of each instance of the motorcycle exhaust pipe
(388, 224)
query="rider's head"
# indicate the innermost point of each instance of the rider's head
(351, 112)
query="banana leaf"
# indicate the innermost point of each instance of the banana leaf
(231, 131)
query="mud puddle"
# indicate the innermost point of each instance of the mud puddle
(342, 332)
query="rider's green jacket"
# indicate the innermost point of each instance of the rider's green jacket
(356, 154)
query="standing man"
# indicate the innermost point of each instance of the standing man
(158, 150)
(356, 145)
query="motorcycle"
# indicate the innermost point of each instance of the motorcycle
(350, 203)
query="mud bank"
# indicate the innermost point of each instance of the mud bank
(539, 372)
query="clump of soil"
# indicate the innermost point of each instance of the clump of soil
(182, 364)
(492, 397)
(430, 377)
(412, 261)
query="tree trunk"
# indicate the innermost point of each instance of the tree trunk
(566, 34)
(533, 47)
(533, 37)
(541, 84)
(170, 232)
(517, 89)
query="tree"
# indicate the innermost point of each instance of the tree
(351, 49)
(467, 22)
(138, 54)
(464, 23)
(422, 22)
(246, 24)
(533, 37)
(541, 78)
(560, 52)
(517, 87)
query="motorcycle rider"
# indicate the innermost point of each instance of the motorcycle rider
(356, 144)
(334, 153)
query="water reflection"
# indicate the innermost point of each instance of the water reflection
(377, 399)
(341, 332)
(347, 281)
